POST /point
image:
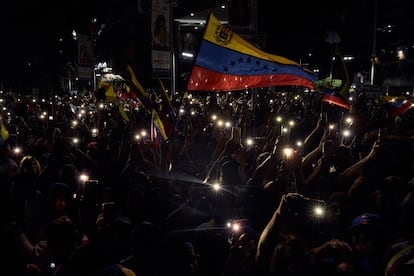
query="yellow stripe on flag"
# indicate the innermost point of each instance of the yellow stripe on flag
(166, 96)
(136, 82)
(221, 35)
(158, 123)
(123, 113)
(4, 132)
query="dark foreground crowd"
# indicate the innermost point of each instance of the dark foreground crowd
(85, 191)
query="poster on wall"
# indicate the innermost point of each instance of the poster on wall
(161, 38)
(85, 50)
(161, 62)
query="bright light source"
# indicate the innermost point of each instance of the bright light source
(249, 141)
(279, 119)
(236, 227)
(84, 177)
(187, 54)
(216, 187)
(288, 152)
(318, 211)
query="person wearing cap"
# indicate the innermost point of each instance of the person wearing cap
(368, 236)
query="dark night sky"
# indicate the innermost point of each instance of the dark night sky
(293, 28)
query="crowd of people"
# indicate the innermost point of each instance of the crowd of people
(88, 188)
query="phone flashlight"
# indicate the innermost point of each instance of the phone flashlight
(287, 152)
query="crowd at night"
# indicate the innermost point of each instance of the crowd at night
(93, 190)
(285, 148)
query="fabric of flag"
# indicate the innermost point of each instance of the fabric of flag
(127, 93)
(142, 96)
(4, 133)
(165, 97)
(334, 98)
(344, 90)
(168, 112)
(396, 106)
(109, 90)
(225, 62)
(158, 127)
(124, 91)
(404, 256)
(136, 82)
(123, 112)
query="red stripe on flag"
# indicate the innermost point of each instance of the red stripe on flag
(327, 98)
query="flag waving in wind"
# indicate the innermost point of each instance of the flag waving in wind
(334, 98)
(396, 106)
(226, 62)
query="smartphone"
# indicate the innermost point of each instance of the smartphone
(90, 190)
(109, 210)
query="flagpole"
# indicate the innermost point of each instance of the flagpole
(374, 42)
(172, 49)
(332, 61)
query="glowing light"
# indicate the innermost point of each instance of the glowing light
(288, 152)
(216, 187)
(17, 150)
(84, 177)
(249, 141)
(279, 119)
(318, 211)
(236, 227)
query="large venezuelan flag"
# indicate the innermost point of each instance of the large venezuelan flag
(226, 62)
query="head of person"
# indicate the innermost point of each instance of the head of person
(59, 199)
(367, 232)
(338, 212)
(69, 174)
(29, 164)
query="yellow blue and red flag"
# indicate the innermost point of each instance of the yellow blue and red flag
(226, 62)
(396, 106)
(332, 97)
(157, 126)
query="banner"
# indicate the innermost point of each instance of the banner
(85, 50)
(161, 38)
